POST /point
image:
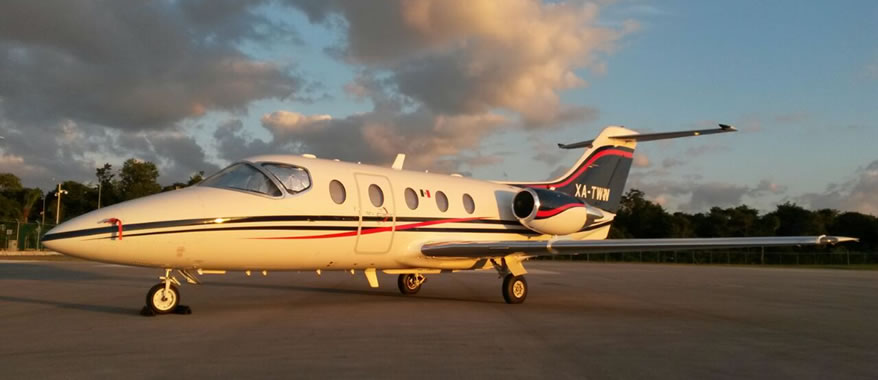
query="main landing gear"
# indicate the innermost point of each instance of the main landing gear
(410, 283)
(514, 289)
(164, 297)
(514, 285)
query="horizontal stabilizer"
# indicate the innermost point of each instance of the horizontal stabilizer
(487, 249)
(654, 136)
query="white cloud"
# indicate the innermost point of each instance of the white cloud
(856, 194)
(457, 57)
(641, 160)
(692, 195)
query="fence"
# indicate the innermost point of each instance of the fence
(739, 257)
(22, 236)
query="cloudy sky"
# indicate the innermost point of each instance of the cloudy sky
(481, 87)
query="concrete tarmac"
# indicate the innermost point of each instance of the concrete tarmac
(73, 319)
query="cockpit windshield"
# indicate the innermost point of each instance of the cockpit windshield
(294, 179)
(242, 177)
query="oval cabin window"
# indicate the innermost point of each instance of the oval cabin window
(337, 192)
(441, 201)
(468, 204)
(376, 195)
(411, 198)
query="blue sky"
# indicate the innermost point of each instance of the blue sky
(799, 79)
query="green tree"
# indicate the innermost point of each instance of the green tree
(854, 224)
(193, 180)
(109, 187)
(796, 221)
(682, 226)
(742, 221)
(196, 178)
(9, 182)
(10, 191)
(105, 174)
(138, 179)
(767, 225)
(640, 218)
(712, 224)
(31, 196)
(824, 219)
(9, 209)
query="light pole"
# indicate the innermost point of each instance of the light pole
(42, 224)
(44, 208)
(100, 185)
(58, 209)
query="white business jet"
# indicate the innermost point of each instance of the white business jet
(284, 212)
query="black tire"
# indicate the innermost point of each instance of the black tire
(408, 283)
(514, 289)
(155, 302)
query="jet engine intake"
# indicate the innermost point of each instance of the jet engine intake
(551, 212)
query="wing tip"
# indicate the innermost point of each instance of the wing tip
(833, 240)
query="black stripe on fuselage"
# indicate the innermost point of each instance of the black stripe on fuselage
(252, 219)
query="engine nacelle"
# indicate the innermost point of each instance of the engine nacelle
(551, 212)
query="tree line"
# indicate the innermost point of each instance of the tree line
(640, 218)
(637, 217)
(134, 179)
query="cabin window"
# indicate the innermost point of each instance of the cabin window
(376, 195)
(441, 201)
(468, 204)
(294, 179)
(337, 192)
(411, 198)
(242, 177)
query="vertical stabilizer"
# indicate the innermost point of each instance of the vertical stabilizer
(598, 177)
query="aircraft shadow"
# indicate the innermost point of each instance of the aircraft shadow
(351, 291)
(44, 272)
(73, 306)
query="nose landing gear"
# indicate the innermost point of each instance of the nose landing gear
(164, 297)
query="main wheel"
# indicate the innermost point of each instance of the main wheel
(161, 301)
(514, 289)
(410, 283)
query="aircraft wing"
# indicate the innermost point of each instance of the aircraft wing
(485, 249)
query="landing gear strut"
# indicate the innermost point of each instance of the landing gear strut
(514, 289)
(410, 283)
(164, 297)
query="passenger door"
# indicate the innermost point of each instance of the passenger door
(377, 214)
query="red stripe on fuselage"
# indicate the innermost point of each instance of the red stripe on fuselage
(584, 167)
(374, 230)
(557, 210)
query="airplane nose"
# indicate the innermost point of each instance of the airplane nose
(67, 237)
(97, 235)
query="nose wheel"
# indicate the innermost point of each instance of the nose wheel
(514, 289)
(164, 297)
(161, 300)
(410, 283)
